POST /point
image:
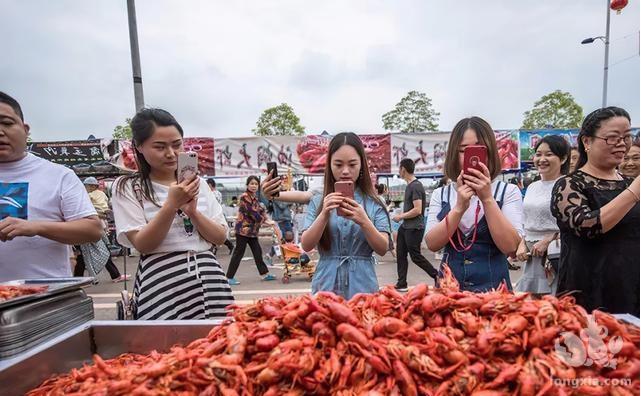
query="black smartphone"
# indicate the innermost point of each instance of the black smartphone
(273, 169)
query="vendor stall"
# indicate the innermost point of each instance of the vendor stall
(429, 341)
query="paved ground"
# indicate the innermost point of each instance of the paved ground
(105, 294)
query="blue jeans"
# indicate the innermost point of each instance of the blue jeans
(285, 225)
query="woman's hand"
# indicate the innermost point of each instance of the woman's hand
(180, 194)
(463, 194)
(354, 211)
(331, 202)
(480, 182)
(521, 252)
(540, 248)
(190, 208)
(270, 186)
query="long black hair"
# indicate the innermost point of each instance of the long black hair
(143, 126)
(363, 182)
(560, 147)
(591, 124)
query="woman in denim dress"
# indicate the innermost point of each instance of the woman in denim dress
(346, 243)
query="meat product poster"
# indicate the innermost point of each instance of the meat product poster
(204, 146)
(312, 152)
(507, 143)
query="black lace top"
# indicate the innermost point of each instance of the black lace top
(600, 269)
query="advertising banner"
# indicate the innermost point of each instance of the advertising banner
(529, 138)
(203, 146)
(83, 156)
(507, 143)
(249, 156)
(427, 150)
(303, 155)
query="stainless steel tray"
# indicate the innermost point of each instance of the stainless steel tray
(55, 286)
(107, 338)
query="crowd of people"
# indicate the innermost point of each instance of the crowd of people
(576, 229)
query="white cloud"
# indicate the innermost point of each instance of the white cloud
(341, 65)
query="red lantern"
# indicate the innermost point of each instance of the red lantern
(618, 5)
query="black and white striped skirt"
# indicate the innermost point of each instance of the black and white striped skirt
(180, 285)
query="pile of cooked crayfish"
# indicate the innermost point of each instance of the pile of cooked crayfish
(429, 341)
(7, 292)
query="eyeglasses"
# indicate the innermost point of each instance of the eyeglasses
(614, 140)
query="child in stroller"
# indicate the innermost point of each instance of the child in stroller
(297, 261)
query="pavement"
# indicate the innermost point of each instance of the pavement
(252, 287)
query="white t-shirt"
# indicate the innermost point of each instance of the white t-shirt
(129, 216)
(316, 185)
(539, 221)
(36, 189)
(512, 207)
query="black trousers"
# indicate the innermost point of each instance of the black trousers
(409, 241)
(79, 270)
(239, 251)
(227, 243)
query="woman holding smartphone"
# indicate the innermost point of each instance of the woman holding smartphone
(346, 242)
(173, 224)
(477, 219)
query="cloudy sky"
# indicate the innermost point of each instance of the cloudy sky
(216, 65)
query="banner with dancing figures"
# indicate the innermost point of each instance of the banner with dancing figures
(303, 155)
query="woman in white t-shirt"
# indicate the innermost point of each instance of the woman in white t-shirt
(477, 219)
(173, 225)
(551, 158)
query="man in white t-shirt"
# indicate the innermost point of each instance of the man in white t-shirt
(43, 206)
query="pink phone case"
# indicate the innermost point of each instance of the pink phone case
(347, 189)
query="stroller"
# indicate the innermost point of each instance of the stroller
(297, 262)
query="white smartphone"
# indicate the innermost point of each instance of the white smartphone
(187, 165)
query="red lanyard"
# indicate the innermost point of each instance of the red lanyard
(459, 233)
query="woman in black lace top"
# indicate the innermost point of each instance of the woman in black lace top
(597, 211)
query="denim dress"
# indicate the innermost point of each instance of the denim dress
(348, 267)
(484, 266)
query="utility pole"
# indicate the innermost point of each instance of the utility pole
(607, 52)
(135, 55)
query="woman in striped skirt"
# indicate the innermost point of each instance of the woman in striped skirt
(173, 225)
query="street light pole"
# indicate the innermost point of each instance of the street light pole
(607, 52)
(135, 55)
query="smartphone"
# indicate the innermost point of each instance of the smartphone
(187, 165)
(473, 156)
(272, 167)
(346, 188)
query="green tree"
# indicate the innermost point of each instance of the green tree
(123, 132)
(279, 121)
(557, 109)
(414, 113)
